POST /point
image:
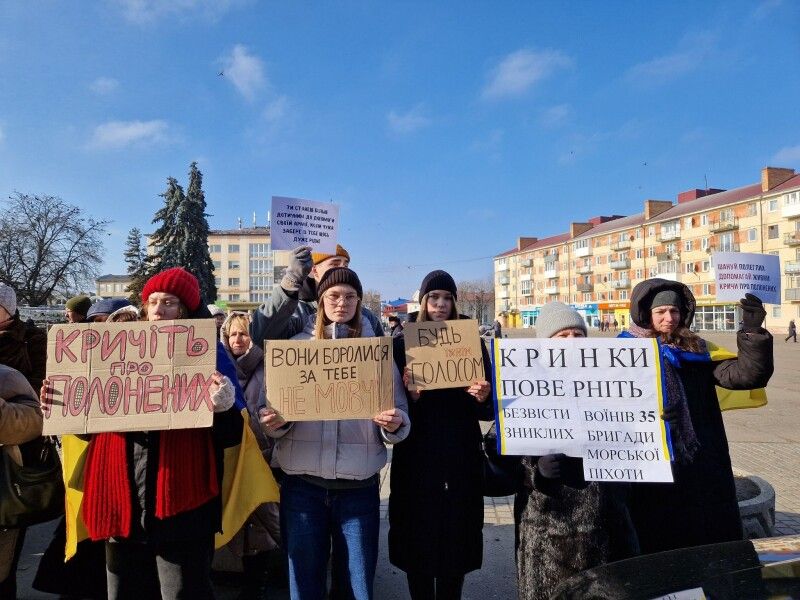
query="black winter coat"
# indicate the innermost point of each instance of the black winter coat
(436, 501)
(700, 507)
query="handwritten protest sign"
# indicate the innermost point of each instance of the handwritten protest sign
(324, 380)
(137, 376)
(297, 222)
(443, 354)
(599, 399)
(740, 273)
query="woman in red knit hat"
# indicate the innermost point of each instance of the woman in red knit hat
(154, 496)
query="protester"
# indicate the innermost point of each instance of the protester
(395, 326)
(126, 314)
(219, 316)
(76, 309)
(700, 507)
(20, 422)
(436, 501)
(257, 544)
(564, 523)
(23, 346)
(792, 332)
(329, 493)
(158, 512)
(294, 301)
(100, 310)
(498, 328)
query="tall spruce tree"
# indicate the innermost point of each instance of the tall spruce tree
(136, 258)
(181, 239)
(195, 246)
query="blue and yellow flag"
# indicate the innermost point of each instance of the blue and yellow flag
(733, 399)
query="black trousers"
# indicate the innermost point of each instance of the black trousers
(428, 587)
(171, 571)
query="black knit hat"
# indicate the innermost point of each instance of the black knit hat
(438, 280)
(339, 276)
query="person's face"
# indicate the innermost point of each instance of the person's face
(238, 340)
(163, 307)
(318, 270)
(219, 320)
(439, 305)
(73, 316)
(665, 319)
(569, 332)
(340, 303)
(99, 318)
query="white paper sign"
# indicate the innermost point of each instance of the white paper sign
(297, 222)
(740, 273)
(692, 594)
(598, 399)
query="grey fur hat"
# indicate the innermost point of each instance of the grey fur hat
(555, 316)
(8, 299)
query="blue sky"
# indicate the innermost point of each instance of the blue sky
(444, 130)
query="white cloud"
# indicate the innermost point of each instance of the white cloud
(692, 53)
(147, 11)
(555, 115)
(408, 122)
(104, 85)
(520, 70)
(787, 156)
(245, 71)
(118, 134)
(276, 109)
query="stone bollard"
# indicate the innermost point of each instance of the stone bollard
(756, 506)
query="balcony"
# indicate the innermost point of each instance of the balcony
(621, 245)
(504, 280)
(584, 270)
(668, 236)
(723, 225)
(792, 294)
(791, 267)
(503, 294)
(621, 284)
(792, 238)
(502, 269)
(625, 263)
(551, 291)
(550, 271)
(790, 211)
(526, 263)
(665, 256)
(724, 248)
(581, 252)
(585, 287)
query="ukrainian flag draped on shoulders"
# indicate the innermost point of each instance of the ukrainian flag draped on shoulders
(247, 480)
(728, 399)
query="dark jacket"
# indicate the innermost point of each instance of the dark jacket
(565, 526)
(700, 507)
(23, 346)
(436, 501)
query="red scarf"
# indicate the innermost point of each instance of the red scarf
(187, 478)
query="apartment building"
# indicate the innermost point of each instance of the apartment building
(594, 265)
(112, 286)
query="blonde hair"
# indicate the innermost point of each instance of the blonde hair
(240, 319)
(354, 325)
(423, 309)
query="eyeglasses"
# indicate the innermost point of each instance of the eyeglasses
(334, 299)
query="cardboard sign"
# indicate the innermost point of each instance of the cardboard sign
(297, 222)
(598, 399)
(443, 354)
(740, 273)
(324, 380)
(137, 376)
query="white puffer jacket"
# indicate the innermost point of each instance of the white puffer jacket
(347, 449)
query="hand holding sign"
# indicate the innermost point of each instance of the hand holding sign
(270, 419)
(390, 420)
(753, 313)
(480, 389)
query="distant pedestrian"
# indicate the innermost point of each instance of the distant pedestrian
(498, 329)
(792, 332)
(396, 326)
(219, 316)
(700, 507)
(76, 309)
(616, 325)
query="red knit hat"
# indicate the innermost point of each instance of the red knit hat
(176, 281)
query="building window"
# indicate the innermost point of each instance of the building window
(259, 250)
(217, 264)
(651, 251)
(687, 245)
(233, 297)
(525, 288)
(687, 223)
(706, 289)
(706, 266)
(752, 235)
(704, 243)
(776, 311)
(688, 268)
(651, 231)
(215, 248)
(752, 209)
(233, 282)
(639, 253)
(638, 234)
(638, 273)
(218, 281)
(772, 232)
(623, 294)
(653, 272)
(773, 205)
(233, 248)
(233, 264)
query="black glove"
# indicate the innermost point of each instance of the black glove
(753, 312)
(671, 415)
(551, 465)
(299, 267)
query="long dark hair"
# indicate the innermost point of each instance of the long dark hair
(684, 338)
